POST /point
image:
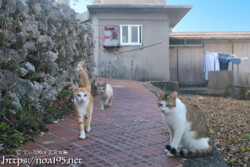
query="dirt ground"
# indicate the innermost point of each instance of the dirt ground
(228, 122)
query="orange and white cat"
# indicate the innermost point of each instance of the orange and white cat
(83, 102)
(105, 92)
(188, 129)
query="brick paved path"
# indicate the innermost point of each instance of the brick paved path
(127, 134)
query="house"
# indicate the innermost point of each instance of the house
(187, 51)
(132, 38)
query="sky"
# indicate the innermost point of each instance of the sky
(206, 15)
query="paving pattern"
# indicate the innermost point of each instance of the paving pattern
(130, 133)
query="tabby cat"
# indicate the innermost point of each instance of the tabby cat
(83, 102)
(105, 92)
(188, 130)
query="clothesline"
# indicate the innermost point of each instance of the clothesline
(219, 61)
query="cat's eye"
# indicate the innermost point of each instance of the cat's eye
(160, 105)
(78, 95)
(85, 95)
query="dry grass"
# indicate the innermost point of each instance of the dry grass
(228, 122)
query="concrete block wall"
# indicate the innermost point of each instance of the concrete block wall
(230, 83)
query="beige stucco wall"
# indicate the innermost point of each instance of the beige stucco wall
(149, 63)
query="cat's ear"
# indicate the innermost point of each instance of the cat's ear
(158, 94)
(75, 88)
(174, 95)
(104, 83)
(88, 88)
(98, 84)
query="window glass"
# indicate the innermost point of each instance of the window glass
(140, 34)
(176, 41)
(124, 34)
(193, 42)
(134, 34)
(130, 34)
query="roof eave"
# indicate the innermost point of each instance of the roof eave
(211, 35)
(175, 12)
(214, 38)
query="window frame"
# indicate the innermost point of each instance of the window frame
(185, 43)
(139, 31)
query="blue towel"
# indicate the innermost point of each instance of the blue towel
(235, 60)
(223, 57)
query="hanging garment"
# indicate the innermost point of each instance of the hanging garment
(224, 60)
(211, 63)
(224, 57)
(235, 60)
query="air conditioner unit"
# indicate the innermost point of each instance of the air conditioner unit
(111, 36)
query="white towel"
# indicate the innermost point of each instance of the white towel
(211, 63)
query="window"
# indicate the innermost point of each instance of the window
(193, 42)
(177, 42)
(130, 34)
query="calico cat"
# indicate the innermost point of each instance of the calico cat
(105, 92)
(83, 102)
(188, 130)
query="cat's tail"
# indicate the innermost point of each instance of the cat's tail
(83, 74)
(188, 152)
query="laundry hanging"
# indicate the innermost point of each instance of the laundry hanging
(211, 63)
(224, 57)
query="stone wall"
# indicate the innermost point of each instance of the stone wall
(40, 45)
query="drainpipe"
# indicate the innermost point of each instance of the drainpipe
(109, 69)
(178, 65)
(132, 69)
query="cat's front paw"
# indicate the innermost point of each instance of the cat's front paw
(169, 154)
(82, 136)
(168, 151)
(88, 129)
(167, 147)
(102, 108)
